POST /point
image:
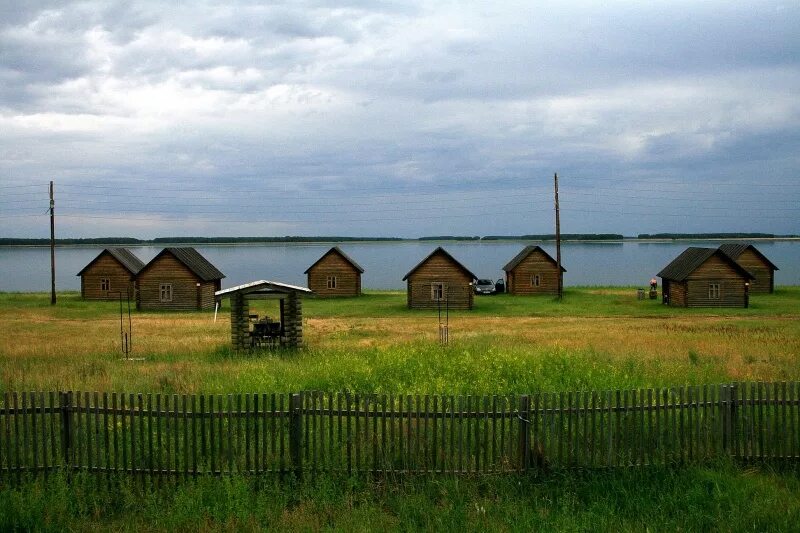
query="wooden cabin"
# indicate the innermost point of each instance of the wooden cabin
(532, 271)
(705, 277)
(178, 279)
(111, 274)
(439, 280)
(754, 262)
(335, 274)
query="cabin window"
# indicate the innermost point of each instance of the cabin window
(165, 292)
(105, 284)
(536, 280)
(437, 291)
(331, 282)
(713, 291)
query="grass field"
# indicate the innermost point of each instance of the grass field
(596, 338)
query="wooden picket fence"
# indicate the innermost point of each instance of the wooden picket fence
(184, 436)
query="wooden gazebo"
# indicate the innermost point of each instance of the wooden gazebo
(288, 332)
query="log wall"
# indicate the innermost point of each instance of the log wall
(106, 267)
(186, 295)
(716, 270)
(519, 279)
(439, 269)
(764, 282)
(293, 321)
(348, 278)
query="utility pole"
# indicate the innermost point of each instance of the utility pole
(558, 243)
(52, 248)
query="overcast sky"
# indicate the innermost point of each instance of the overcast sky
(398, 118)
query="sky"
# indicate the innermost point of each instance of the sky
(398, 118)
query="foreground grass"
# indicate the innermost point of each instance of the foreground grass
(374, 344)
(722, 498)
(595, 339)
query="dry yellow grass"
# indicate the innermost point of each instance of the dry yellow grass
(79, 348)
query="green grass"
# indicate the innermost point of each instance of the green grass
(718, 498)
(374, 344)
(577, 302)
(596, 338)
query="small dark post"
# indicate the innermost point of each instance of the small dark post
(66, 428)
(725, 407)
(52, 248)
(524, 416)
(732, 408)
(296, 434)
(558, 242)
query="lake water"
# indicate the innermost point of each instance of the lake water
(385, 263)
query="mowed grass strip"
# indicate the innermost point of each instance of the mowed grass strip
(596, 338)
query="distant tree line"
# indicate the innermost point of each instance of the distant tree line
(449, 238)
(130, 241)
(288, 238)
(187, 240)
(709, 236)
(552, 237)
(97, 240)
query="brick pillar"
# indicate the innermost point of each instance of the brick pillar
(240, 331)
(293, 328)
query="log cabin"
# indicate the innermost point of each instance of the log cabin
(334, 275)
(705, 277)
(178, 279)
(532, 271)
(439, 280)
(754, 262)
(111, 274)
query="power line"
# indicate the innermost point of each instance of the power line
(24, 186)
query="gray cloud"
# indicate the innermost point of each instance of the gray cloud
(379, 101)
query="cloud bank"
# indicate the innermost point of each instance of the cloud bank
(399, 118)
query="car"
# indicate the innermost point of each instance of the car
(484, 286)
(500, 286)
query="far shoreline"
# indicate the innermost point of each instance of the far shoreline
(148, 244)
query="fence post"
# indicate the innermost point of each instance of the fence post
(732, 407)
(66, 427)
(727, 411)
(523, 415)
(296, 434)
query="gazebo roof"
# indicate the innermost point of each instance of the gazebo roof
(263, 286)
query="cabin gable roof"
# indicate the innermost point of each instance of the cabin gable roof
(336, 250)
(441, 251)
(691, 259)
(734, 250)
(123, 256)
(525, 252)
(191, 259)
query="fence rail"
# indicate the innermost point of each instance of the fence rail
(313, 432)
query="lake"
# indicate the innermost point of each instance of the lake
(26, 269)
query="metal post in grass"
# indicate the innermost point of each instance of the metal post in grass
(524, 418)
(296, 434)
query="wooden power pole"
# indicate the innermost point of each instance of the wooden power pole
(558, 242)
(52, 248)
